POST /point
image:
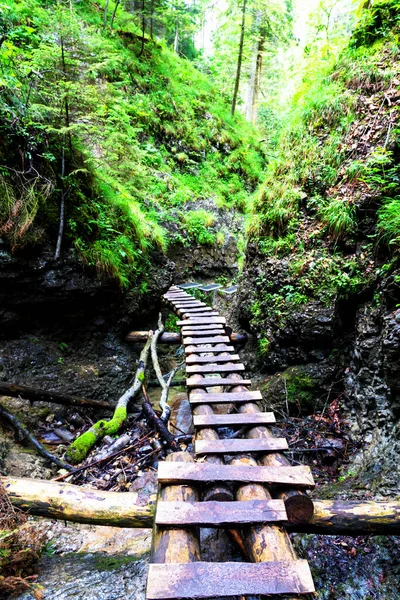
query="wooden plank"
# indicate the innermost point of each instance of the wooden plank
(197, 309)
(192, 349)
(192, 332)
(192, 369)
(217, 580)
(213, 381)
(207, 472)
(202, 328)
(238, 446)
(234, 419)
(201, 315)
(211, 359)
(217, 514)
(189, 304)
(218, 339)
(226, 397)
(202, 321)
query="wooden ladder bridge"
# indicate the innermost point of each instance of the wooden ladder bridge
(244, 484)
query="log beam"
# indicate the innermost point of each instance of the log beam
(14, 390)
(170, 338)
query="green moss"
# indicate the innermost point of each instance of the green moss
(80, 448)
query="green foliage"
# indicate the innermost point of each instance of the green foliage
(379, 19)
(171, 323)
(339, 217)
(389, 221)
(263, 346)
(197, 225)
(124, 134)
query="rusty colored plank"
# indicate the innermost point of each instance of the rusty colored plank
(213, 381)
(233, 420)
(217, 514)
(218, 339)
(226, 397)
(239, 446)
(193, 348)
(212, 359)
(217, 580)
(191, 369)
(181, 473)
(203, 321)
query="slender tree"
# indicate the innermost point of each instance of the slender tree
(240, 58)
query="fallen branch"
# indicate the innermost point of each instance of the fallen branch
(36, 395)
(80, 448)
(166, 411)
(24, 434)
(155, 420)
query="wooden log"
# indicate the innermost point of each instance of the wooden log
(56, 500)
(353, 517)
(140, 337)
(176, 545)
(15, 390)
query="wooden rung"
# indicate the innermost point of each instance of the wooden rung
(202, 321)
(211, 340)
(191, 369)
(189, 304)
(234, 419)
(225, 397)
(200, 315)
(236, 446)
(202, 328)
(198, 309)
(219, 514)
(212, 359)
(193, 349)
(213, 381)
(217, 580)
(202, 332)
(182, 473)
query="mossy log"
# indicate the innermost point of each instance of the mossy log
(81, 447)
(68, 502)
(85, 505)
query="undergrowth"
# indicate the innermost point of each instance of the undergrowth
(121, 135)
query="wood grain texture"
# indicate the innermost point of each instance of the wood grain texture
(213, 381)
(212, 359)
(240, 446)
(202, 321)
(226, 397)
(217, 580)
(192, 332)
(233, 420)
(219, 514)
(217, 339)
(202, 327)
(204, 473)
(211, 368)
(193, 348)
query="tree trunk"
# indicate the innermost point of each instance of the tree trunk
(35, 395)
(240, 59)
(257, 79)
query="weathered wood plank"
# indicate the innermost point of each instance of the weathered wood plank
(189, 304)
(193, 348)
(212, 359)
(202, 328)
(203, 321)
(233, 420)
(198, 309)
(213, 381)
(218, 339)
(239, 446)
(191, 369)
(199, 315)
(217, 514)
(206, 472)
(202, 332)
(217, 580)
(226, 397)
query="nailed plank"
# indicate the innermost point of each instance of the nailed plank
(207, 472)
(226, 397)
(198, 309)
(236, 446)
(200, 315)
(217, 514)
(202, 333)
(204, 340)
(191, 369)
(189, 304)
(232, 420)
(202, 327)
(211, 359)
(192, 349)
(203, 321)
(217, 580)
(213, 381)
